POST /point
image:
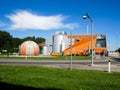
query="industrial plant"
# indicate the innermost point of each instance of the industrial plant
(65, 44)
(81, 44)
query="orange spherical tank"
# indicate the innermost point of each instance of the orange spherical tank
(29, 48)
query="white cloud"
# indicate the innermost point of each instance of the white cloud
(26, 20)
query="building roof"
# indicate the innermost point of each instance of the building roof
(78, 36)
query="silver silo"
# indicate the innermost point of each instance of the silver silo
(60, 42)
(45, 50)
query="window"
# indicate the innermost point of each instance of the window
(101, 43)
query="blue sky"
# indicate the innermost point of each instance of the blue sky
(42, 18)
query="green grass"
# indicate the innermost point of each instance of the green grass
(36, 77)
(46, 57)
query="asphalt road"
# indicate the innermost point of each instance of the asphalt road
(76, 64)
(114, 61)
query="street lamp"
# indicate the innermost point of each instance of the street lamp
(71, 50)
(92, 23)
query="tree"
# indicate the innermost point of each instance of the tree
(6, 41)
(16, 43)
(37, 40)
(118, 50)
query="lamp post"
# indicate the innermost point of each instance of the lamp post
(92, 26)
(71, 50)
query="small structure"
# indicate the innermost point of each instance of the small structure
(29, 48)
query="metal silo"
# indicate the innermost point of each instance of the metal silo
(65, 43)
(45, 50)
(60, 42)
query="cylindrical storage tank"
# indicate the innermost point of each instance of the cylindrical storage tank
(29, 48)
(65, 43)
(45, 50)
(60, 42)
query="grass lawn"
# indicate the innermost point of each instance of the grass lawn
(45, 57)
(42, 78)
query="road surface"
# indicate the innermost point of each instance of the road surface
(76, 64)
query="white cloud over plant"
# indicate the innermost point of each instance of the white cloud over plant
(25, 20)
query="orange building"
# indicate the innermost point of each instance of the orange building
(82, 44)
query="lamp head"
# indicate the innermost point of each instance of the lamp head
(84, 17)
(87, 16)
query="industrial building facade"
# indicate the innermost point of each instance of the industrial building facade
(81, 44)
